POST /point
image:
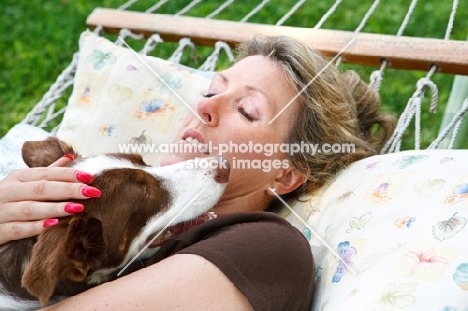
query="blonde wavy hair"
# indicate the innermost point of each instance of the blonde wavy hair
(336, 108)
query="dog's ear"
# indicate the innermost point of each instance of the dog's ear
(45, 152)
(68, 250)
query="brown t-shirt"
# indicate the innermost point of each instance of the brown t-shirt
(267, 259)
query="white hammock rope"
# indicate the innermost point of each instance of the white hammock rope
(154, 7)
(451, 19)
(127, 4)
(219, 9)
(254, 11)
(151, 43)
(413, 109)
(407, 18)
(125, 33)
(362, 24)
(454, 125)
(290, 12)
(376, 77)
(367, 16)
(187, 8)
(44, 111)
(183, 44)
(212, 60)
(64, 80)
(98, 30)
(327, 15)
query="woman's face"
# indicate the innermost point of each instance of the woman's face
(237, 108)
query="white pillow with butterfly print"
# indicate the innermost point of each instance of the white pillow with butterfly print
(390, 233)
(120, 97)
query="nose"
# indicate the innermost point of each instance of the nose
(208, 110)
(222, 170)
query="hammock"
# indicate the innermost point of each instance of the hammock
(358, 223)
(384, 52)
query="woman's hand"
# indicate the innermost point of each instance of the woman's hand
(26, 197)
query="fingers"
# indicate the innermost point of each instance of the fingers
(32, 210)
(26, 219)
(30, 198)
(63, 160)
(48, 173)
(54, 191)
(47, 184)
(20, 230)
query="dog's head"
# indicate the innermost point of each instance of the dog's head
(136, 203)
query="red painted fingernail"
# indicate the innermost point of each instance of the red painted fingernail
(69, 155)
(84, 177)
(50, 222)
(91, 192)
(74, 208)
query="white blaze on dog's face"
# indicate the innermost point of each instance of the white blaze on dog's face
(194, 190)
(177, 184)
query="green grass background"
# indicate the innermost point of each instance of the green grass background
(38, 39)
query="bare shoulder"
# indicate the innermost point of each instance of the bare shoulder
(179, 282)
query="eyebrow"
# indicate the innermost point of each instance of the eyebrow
(249, 87)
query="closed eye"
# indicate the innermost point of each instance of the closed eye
(239, 109)
(208, 95)
(245, 114)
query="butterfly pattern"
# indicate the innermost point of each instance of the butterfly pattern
(405, 222)
(101, 59)
(169, 83)
(446, 159)
(380, 194)
(408, 160)
(459, 193)
(85, 96)
(460, 276)
(346, 253)
(153, 106)
(399, 222)
(372, 165)
(107, 130)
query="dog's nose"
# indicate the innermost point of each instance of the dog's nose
(222, 170)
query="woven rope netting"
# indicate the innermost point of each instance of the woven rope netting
(312, 14)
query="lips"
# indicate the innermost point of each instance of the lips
(193, 134)
(195, 139)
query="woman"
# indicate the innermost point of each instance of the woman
(246, 258)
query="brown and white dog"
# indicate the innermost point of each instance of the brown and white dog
(83, 250)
